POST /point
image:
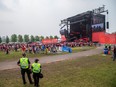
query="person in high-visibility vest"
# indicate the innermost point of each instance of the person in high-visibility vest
(24, 64)
(36, 69)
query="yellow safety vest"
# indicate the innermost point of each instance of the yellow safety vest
(36, 67)
(24, 63)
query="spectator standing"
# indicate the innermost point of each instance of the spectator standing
(114, 53)
(36, 69)
(24, 64)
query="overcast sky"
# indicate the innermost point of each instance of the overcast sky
(42, 17)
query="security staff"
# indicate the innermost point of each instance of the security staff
(36, 69)
(24, 64)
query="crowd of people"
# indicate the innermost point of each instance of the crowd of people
(28, 48)
(36, 48)
(25, 65)
(110, 50)
(39, 48)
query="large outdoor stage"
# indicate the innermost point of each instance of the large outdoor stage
(83, 25)
(89, 25)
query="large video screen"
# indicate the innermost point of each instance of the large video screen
(98, 23)
(98, 27)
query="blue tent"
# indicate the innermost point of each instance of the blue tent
(66, 49)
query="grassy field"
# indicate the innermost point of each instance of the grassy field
(16, 55)
(93, 71)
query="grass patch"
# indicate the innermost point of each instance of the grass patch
(92, 71)
(79, 49)
(16, 55)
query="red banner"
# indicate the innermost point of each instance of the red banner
(49, 41)
(103, 37)
(63, 38)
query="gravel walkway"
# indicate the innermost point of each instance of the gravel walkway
(49, 59)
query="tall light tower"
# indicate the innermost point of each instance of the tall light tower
(102, 10)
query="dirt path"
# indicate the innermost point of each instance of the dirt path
(48, 59)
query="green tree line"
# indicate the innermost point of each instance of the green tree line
(25, 38)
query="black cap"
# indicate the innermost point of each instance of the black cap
(36, 60)
(23, 54)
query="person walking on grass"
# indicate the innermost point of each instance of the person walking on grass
(24, 64)
(114, 53)
(36, 69)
